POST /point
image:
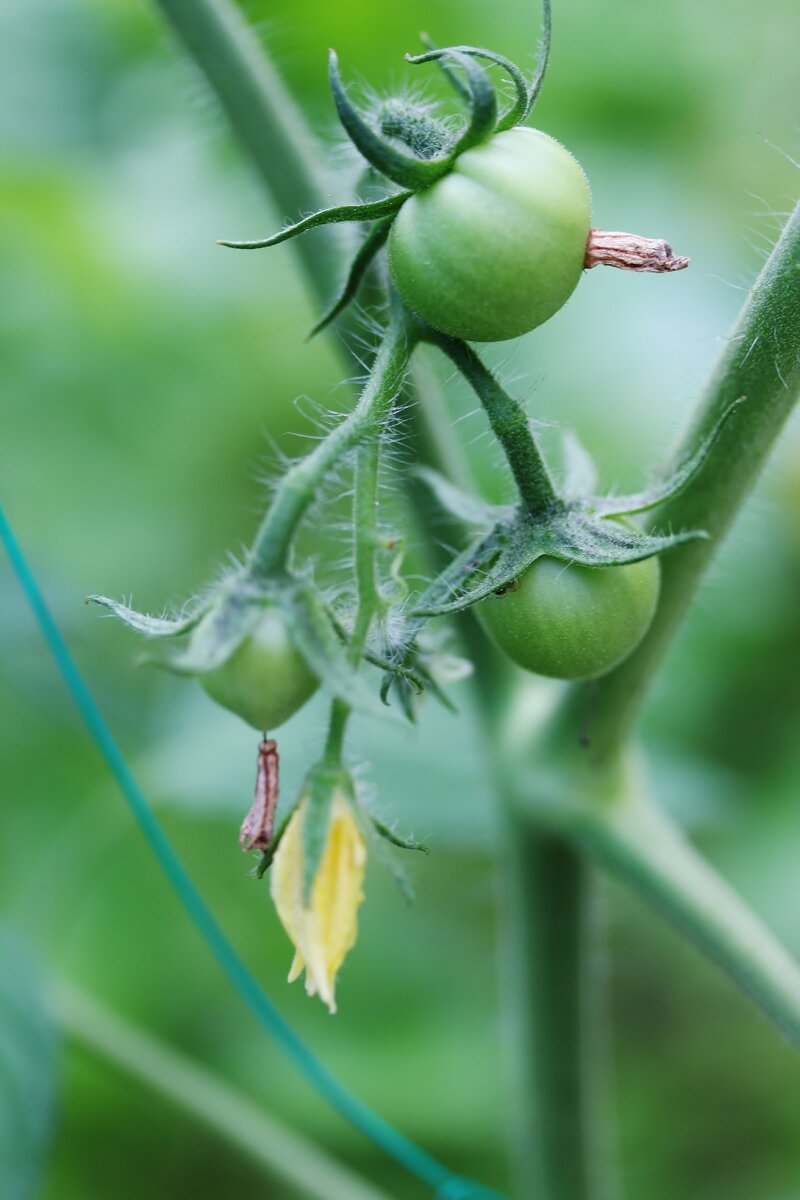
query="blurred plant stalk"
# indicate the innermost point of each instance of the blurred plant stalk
(284, 1156)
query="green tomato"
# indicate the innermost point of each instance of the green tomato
(266, 679)
(497, 246)
(573, 622)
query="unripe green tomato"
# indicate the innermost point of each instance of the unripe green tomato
(497, 246)
(573, 622)
(266, 679)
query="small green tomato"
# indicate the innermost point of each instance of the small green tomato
(266, 680)
(497, 246)
(573, 622)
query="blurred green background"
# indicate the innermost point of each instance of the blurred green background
(145, 372)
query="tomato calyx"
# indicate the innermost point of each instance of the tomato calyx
(214, 630)
(411, 148)
(579, 529)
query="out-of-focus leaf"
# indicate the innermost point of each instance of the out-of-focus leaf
(28, 1062)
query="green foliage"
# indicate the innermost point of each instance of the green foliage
(28, 1070)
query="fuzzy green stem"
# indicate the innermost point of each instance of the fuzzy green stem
(288, 1159)
(365, 527)
(299, 486)
(263, 115)
(545, 964)
(761, 362)
(509, 424)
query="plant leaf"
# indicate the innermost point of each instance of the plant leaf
(28, 1071)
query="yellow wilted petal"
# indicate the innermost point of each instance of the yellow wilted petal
(325, 929)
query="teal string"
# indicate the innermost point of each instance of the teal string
(395, 1144)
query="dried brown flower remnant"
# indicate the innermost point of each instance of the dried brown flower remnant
(257, 827)
(630, 252)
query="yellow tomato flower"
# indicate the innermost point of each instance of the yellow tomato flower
(326, 928)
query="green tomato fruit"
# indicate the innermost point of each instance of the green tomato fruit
(497, 246)
(266, 679)
(573, 622)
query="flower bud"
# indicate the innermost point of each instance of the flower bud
(319, 910)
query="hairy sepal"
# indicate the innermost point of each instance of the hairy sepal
(570, 535)
(152, 627)
(375, 210)
(676, 482)
(470, 510)
(319, 640)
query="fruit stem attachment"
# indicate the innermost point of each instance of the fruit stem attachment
(509, 423)
(299, 486)
(630, 252)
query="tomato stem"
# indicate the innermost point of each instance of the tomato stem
(509, 423)
(299, 486)
(365, 541)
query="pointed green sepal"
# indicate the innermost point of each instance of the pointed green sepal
(316, 636)
(152, 627)
(404, 169)
(481, 95)
(374, 210)
(231, 617)
(580, 472)
(594, 542)
(396, 839)
(676, 482)
(318, 791)
(520, 107)
(544, 58)
(372, 243)
(471, 510)
(268, 855)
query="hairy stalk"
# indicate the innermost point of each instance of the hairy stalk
(509, 425)
(287, 1159)
(761, 362)
(263, 115)
(298, 487)
(365, 526)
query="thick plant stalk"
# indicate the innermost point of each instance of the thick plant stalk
(263, 115)
(545, 959)
(645, 848)
(760, 362)
(286, 1158)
